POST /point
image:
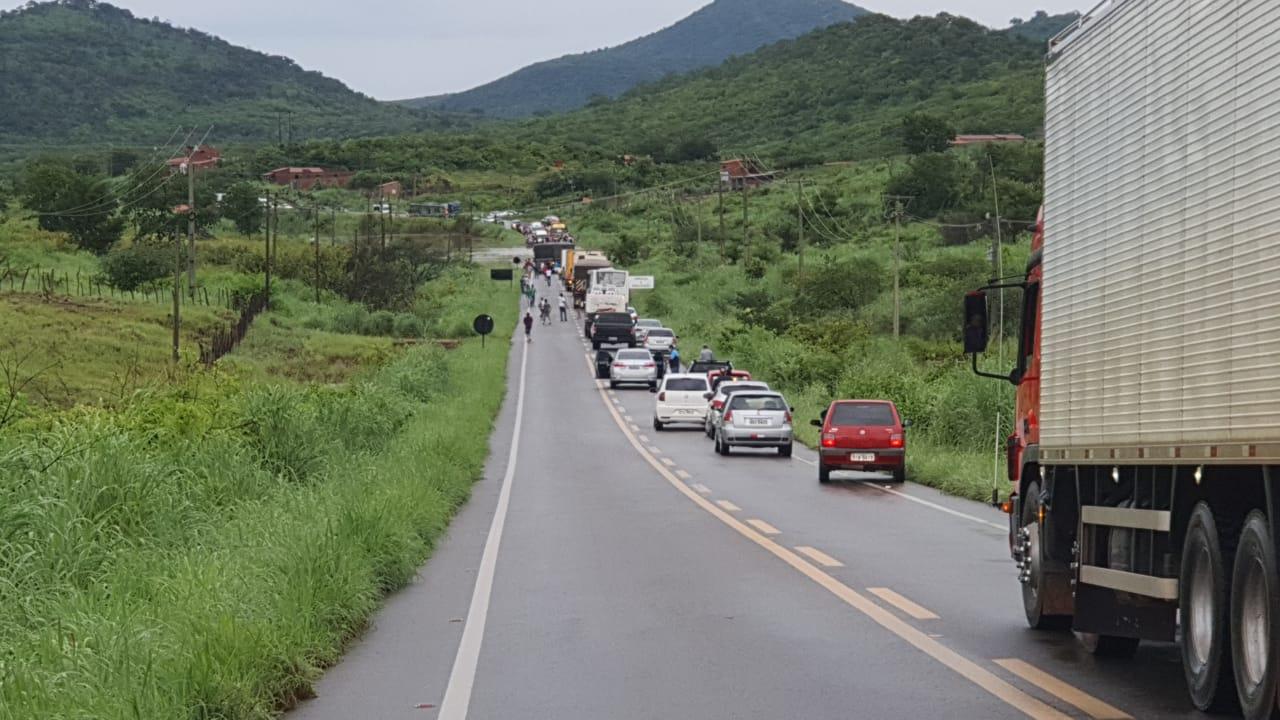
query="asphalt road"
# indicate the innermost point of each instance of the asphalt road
(607, 571)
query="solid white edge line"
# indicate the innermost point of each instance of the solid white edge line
(457, 695)
(935, 506)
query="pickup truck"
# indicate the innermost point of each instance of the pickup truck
(613, 328)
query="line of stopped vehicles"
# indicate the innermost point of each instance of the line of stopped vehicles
(736, 410)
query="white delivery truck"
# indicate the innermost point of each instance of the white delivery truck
(1145, 459)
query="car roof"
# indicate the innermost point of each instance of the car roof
(863, 402)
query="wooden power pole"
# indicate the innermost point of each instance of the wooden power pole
(191, 229)
(800, 220)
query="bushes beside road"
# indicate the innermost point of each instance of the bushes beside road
(204, 551)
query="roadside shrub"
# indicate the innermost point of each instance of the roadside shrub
(284, 428)
(407, 325)
(350, 319)
(129, 268)
(381, 322)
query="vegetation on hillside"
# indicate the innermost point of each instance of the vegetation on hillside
(1042, 26)
(82, 71)
(706, 38)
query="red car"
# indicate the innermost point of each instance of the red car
(865, 435)
(715, 377)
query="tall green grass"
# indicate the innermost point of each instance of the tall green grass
(206, 551)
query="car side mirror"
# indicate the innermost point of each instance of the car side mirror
(792, 409)
(816, 423)
(977, 323)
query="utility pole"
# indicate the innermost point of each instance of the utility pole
(316, 211)
(997, 258)
(177, 287)
(333, 230)
(800, 220)
(720, 188)
(267, 220)
(746, 222)
(191, 229)
(899, 209)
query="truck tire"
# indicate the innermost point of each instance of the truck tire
(1255, 587)
(1037, 586)
(1202, 605)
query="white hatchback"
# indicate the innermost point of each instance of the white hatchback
(681, 398)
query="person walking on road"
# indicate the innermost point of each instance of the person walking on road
(544, 310)
(674, 359)
(528, 326)
(706, 355)
(564, 309)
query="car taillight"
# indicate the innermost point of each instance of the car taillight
(728, 416)
(649, 365)
(828, 440)
(786, 418)
(895, 440)
(662, 397)
(717, 404)
(620, 366)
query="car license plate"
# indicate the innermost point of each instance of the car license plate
(757, 421)
(863, 457)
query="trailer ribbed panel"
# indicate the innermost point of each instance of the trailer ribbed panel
(1162, 227)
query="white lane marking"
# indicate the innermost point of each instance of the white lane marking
(725, 504)
(806, 462)
(635, 427)
(684, 475)
(701, 488)
(644, 438)
(653, 449)
(457, 695)
(935, 506)
(668, 462)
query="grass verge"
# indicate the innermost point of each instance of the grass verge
(207, 550)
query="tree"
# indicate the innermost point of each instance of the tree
(84, 207)
(923, 132)
(241, 205)
(154, 205)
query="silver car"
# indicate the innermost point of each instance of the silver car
(659, 340)
(715, 406)
(644, 325)
(755, 419)
(633, 366)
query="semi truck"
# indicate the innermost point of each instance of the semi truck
(1144, 463)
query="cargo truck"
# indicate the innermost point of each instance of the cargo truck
(580, 273)
(1145, 458)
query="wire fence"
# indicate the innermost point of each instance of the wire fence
(226, 340)
(55, 282)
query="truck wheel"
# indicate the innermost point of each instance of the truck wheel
(1202, 605)
(1036, 582)
(1109, 646)
(1255, 587)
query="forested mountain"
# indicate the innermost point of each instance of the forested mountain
(1042, 25)
(706, 38)
(83, 71)
(832, 94)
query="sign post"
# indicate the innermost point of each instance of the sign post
(483, 325)
(640, 282)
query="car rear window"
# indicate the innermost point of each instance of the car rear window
(614, 318)
(730, 389)
(661, 332)
(634, 355)
(687, 384)
(649, 323)
(757, 402)
(862, 414)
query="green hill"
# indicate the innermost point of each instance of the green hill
(1042, 25)
(837, 93)
(82, 71)
(706, 38)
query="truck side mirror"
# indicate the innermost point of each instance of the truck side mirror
(976, 323)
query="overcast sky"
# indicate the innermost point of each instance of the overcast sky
(393, 49)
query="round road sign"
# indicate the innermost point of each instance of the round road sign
(483, 324)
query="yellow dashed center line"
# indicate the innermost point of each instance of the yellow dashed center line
(819, 557)
(764, 527)
(1074, 697)
(903, 604)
